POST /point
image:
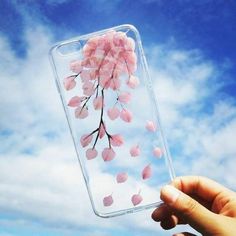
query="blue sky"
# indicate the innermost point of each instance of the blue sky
(191, 51)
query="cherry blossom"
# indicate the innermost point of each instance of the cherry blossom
(136, 199)
(113, 113)
(135, 151)
(98, 103)
(108, 200)
(76, 101)
(121, 177)
(157, 152)
(91, 153)
(88, 88)
(126, 115)
(150, 126)
(86, 139)
(116, 140)
(81, 112)
(108, 64)
(147, 172)
(69, 82)
(108, 154)
(102, 131)
(133, 82)
(124, 97)
(76, 66)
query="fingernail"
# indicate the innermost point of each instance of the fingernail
(170, 194)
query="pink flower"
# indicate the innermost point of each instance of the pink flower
(81, 112)
(121, 177)
(108, 200)
(86, 139)
(98, 103)
(116, 140)
(150, 126)
(108, 154)
(113, 113)
(85, 75)
(126, 115)
(157, 152)
(115, 83)
(136, 199)
(102, 130)
(69, 82)
(75, 101)
(88, 88)
(76, 67)
(91, 153)
(135, 151)
(124, 97)
(147, 172)
(133, 82)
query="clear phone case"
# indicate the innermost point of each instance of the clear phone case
(107, 95)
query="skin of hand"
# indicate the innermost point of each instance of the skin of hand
(205, 205)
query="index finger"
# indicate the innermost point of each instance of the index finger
(203, 187)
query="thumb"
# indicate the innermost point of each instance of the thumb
(186, 207)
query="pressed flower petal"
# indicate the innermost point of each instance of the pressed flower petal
(113, 113)
(126, 115)
(135, 151)
(102, 131)
(98, 103)
(75, 66)
(69, 82)
(121, 177)
(86, 139)
(116, 140)
(108, 154)
(147, 172)
(81, 112)
(157, 152)
(133, 82)
(136, 199)
(75, 101)
(108, 200)
(91, 153)
(150, 126)
(124, 97)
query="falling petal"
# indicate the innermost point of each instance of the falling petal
(108, 154)
(75, 101)
(76, 67)
(113, 113)
(108, 200)
(124, 97)
(81, 112)
(91, 153)
(116, 140)
(150, 126)
(135, 151)
(133, 82)
(136, 199)
(69, 82)
(86, 139)
(126, 115)
(121, 177)
(102, 130)
(98, 103)
(157, 152)
(147, 172)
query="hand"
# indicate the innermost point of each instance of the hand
(202, 203)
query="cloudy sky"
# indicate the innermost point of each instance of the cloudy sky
(191, 52)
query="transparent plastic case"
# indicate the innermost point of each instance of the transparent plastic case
(107, 95)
